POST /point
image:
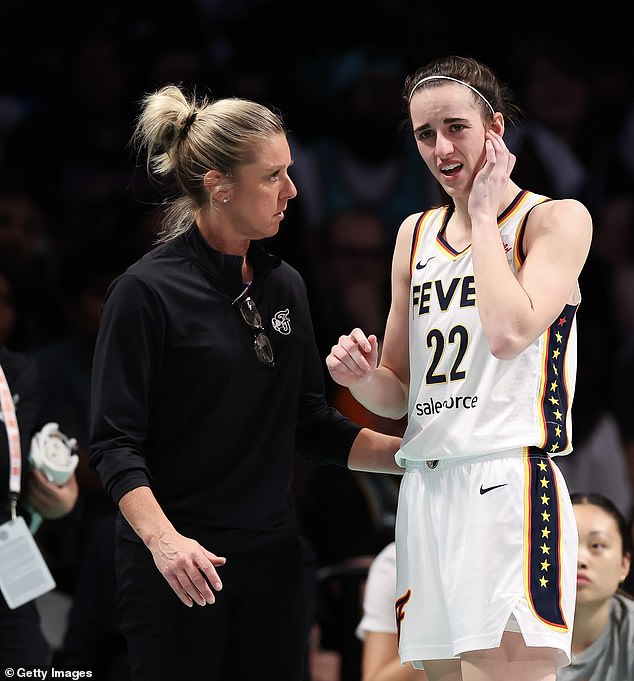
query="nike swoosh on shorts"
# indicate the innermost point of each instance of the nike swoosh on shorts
(484, 490)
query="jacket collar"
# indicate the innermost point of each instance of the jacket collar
(226, 268)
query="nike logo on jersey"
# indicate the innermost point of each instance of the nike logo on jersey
(484, 490)
(420, 264)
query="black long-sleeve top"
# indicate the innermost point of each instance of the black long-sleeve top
(180, 402)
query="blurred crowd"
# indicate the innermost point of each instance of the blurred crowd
(75, 211)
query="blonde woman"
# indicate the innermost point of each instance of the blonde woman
(206, 383)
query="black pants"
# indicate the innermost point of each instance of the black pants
(256, 629)
(22, 643)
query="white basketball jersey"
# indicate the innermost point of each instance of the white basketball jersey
(463, 401)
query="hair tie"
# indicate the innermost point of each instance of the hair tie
(455, 80)
(188, 123)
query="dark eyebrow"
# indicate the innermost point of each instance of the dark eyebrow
(446, 121)
(425, 126)
(593, 534)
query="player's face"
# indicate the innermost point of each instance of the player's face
(262, 190)
(449, 133)
(601, 565)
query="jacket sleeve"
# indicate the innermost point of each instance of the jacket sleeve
(126, 361)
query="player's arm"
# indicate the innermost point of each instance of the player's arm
(514, 310)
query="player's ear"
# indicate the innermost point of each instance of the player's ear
(497, 124)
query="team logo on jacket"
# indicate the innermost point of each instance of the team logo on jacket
(281, 322)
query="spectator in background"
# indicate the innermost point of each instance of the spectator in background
(603, 629)
(22, 641)
(378, 627)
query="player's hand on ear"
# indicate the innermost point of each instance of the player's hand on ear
(491, 181)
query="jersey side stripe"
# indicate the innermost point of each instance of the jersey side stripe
(554, 393)
(418, 235)
(516, 205)
(518, 252)
(543, 541)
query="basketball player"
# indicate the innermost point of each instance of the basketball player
(480, 352)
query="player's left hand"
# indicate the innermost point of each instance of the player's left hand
(492, 179)
(353, 358)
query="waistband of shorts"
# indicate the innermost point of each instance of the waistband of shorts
(431, 464)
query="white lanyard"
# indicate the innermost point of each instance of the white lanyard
(13, 435)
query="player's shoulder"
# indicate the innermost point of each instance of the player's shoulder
(567, 219)
(561, 209)
(409, 223)
(414, 223)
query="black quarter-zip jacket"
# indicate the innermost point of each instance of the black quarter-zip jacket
(180, 402)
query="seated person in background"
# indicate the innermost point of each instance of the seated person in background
(22, 641)
(603, 630)
(377, 628)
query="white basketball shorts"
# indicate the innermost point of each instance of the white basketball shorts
(479, 542)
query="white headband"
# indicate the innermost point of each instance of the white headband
(455, 80)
